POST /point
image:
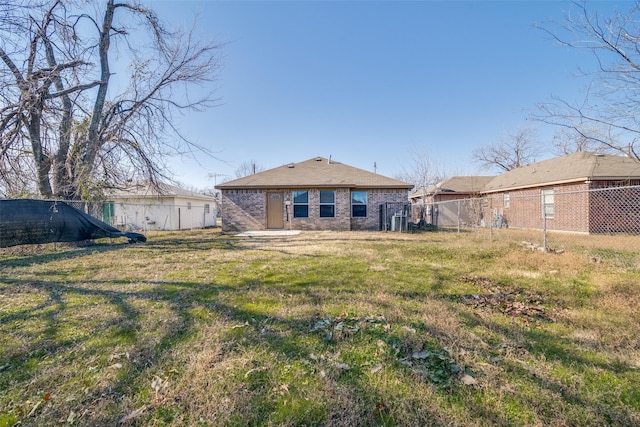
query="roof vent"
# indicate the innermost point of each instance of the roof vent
(318, 159)
(291, 165)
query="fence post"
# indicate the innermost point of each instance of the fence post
(458, 216)
(544, 221)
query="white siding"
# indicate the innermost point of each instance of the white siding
(171, 213)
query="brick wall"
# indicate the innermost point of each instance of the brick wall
(246, 210)
(338, 223)
(375, 199)
(571, 208)
(243, 210)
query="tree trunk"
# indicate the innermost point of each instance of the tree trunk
(43, 164)
(61, 179)
(94, 140)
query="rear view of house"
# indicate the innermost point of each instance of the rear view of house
(317, 194)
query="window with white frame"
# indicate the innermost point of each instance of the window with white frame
(301, 204)
(507, 200)
(358, 204)
(327, 203)
(207, 208)
(548, 209)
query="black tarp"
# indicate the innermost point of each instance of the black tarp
(26, 221)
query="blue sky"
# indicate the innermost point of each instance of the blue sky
(368, 81)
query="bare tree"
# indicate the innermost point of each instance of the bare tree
(64, 116)
(513, 150)
(421, 170)
(247, 168)
(607, 116)
(567, 141)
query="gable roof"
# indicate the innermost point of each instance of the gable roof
(580, 166)
(146, 191)
(318, 172)
(456, 184)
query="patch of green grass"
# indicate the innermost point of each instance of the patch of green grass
(8, 420)
(197, 328)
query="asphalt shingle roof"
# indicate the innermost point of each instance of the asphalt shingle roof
(580, 166)
(456, 184)
(318, 172)
(145, 190)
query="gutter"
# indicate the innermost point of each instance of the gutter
(329, 186)
(547, 184)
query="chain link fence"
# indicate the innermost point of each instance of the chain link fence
(95, 209)
(395, 216)
(136, 216)
(603, 224)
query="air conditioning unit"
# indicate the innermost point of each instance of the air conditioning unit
(396, 222)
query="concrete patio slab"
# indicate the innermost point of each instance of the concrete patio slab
(262, 233)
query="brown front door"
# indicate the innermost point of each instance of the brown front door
(275, 210)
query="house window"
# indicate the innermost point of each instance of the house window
(188, 205)
(327, 203)
(547, 204)
(359, 204)
(301, 204)
(207, 208)
(507, 200)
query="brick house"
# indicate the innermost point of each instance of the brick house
(566, 194)
(428, 205)
(316, 194)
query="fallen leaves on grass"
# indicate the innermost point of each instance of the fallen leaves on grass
(343, 327)
(508, 299)
(430, 362)
(437, 366)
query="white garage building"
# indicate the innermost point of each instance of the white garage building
(143, 208)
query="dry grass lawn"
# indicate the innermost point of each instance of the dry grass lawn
(337, 329)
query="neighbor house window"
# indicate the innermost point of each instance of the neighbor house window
(359, 204)
(188, 205)
(207, 208)
(327, 203)
(548, 209)
(300, 204)
(507, 200)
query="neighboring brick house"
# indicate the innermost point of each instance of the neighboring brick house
(317, 194)
(429, 204)
(564, 194)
